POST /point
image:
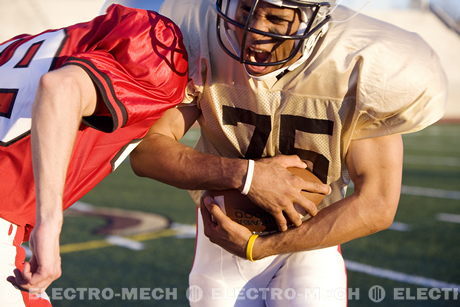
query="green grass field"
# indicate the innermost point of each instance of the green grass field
(429, 248)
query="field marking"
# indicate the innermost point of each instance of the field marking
(121, 222)
(126, 243)
(82, 246)
(429, 192)
(448, 217)
(95, 244)
(398, 226)
(351, 265)
(398, 276)
(436, 161)
(184, 231)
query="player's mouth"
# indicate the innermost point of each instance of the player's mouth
(259, 56)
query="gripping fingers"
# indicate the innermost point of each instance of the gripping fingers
(307, 205)
(280, 220)
(293, 216)
(316, 187)
(213, 216)
(207, 217)
(217, 213)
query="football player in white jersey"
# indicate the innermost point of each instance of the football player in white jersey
(290, 77)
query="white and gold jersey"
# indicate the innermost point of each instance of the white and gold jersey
(366, 79)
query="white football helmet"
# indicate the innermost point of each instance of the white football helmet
(314, 14)
(314, 18)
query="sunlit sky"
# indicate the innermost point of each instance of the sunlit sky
(451, 6)
(375, 4)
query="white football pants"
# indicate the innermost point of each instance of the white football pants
(307, 279)
(12, 257)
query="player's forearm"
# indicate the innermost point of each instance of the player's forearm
(348, 219)
(163, 158)
(56, 117)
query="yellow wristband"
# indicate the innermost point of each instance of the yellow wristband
(250, 246)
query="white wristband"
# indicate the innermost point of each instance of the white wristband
(249, 175)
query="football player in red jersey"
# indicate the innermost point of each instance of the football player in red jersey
(73, 103)
(302, 77)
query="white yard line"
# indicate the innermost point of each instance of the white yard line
(398, 226)
(124, 242)
(82, 206)
(398, 276)
(184, 231)
(448, 217)
(431, 160)
(429, 192)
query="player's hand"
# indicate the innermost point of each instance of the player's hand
(221, 230)
(44, 266)
(278, 191)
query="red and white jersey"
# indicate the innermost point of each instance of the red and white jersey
(138, 64)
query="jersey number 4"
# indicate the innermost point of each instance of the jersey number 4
(289, 124)
(22, 63)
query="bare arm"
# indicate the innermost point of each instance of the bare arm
(160, 156)
(63, 97)
(375, 166)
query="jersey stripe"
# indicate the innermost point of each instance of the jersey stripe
(116, 108)
(7, 98)
(31, 52)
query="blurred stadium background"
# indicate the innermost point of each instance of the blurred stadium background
(104, 248)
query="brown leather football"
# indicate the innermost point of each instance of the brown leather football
(241, 209)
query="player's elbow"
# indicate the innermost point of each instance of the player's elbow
(54, 87)
(384, 219)
(58, 81)
(142, 163)
(136, 164)
(49, 81)
(70, 84)
(383, 213)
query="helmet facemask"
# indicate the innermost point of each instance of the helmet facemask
(262, 33)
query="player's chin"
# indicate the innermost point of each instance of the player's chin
(258, 71)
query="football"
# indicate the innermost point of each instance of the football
(241, 209)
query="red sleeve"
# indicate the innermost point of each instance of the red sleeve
(137, 61)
